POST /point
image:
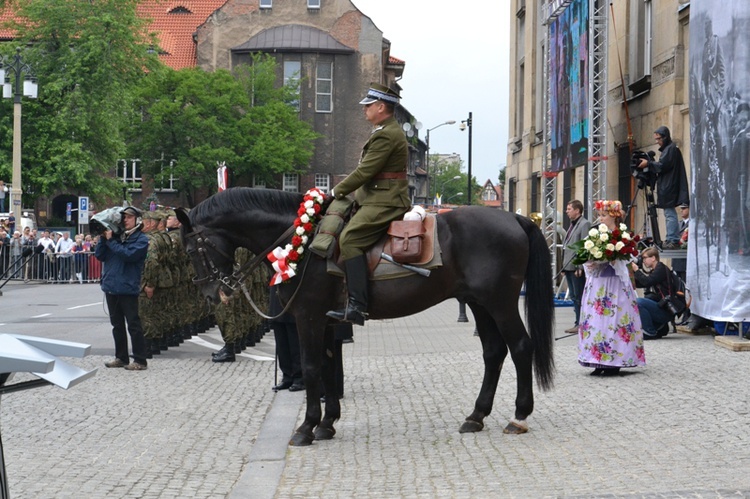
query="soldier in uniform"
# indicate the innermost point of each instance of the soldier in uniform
(382, 193)
(148, 296)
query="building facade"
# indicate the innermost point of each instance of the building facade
(649, 40)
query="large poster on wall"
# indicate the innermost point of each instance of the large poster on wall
(718, 271)
(569, 86)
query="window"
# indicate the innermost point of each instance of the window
(512, 195)
(313, 4)
(520, 76)
(489, 194)
(291, 182)
(292, 71)
(258, 183)
(129, 170)
(639, 61)
(323, 182)
(166, 181)
(535, 193)
(324, 87)
(266, 4)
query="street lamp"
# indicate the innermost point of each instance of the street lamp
(457, 177)
(454, 196)
(12, 88)
(427, 143)
(463, 126)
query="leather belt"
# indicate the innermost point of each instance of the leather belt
(390, 176)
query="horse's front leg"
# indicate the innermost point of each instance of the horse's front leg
(312, 346)
(331, 359)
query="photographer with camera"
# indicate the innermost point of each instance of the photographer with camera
(671, 183)
(654, 308)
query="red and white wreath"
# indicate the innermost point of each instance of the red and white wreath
(284, 260)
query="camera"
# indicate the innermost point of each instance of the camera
(666, 303)
(109, 219)
(645, 176)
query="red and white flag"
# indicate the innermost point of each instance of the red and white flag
(221, 173)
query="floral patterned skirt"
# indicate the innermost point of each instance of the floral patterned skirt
(610, 332)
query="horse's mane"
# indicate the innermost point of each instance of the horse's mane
(243, 200)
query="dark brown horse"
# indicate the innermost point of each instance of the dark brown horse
(487, 255)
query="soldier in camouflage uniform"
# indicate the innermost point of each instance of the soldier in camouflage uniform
(149, 295)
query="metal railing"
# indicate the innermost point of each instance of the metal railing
(81, 267)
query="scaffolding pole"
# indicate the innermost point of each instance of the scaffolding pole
(597, 161)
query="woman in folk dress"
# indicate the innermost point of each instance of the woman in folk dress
(610, 335)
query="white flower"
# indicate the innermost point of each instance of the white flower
(604, 237)
(611, 247)
(588, 244)
(304, 218)
(603, 228)
(310, 212)
(304, 240)
(300, 250)
(597, 254)
(292, 265)
(623, 227)
(625, 236)
(299, 230)
(593, 232)
(309, 203)
(619, 245)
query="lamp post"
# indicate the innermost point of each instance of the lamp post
(427, 143)
(12, 88)
(463, 126)
(455, 195)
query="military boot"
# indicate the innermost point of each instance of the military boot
(226, 354)
(356, 283)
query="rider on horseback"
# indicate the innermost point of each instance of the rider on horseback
(382, 195)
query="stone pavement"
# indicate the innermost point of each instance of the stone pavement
(189, 428)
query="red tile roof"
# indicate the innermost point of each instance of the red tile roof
(394, 60)
(174, 23)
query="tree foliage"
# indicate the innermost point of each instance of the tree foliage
(194, 119)
(87, 56)
(448, 186)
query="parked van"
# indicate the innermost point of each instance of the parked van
(28, 219)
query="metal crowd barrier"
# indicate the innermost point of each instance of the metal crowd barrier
(81, 267)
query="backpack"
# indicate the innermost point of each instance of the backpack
(679, 295)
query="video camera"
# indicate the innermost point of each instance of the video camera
(109, 219)
(645, 176)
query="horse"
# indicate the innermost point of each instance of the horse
(487, 255)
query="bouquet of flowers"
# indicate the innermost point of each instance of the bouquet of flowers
(603, 245)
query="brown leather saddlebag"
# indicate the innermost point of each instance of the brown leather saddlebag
(406, 240)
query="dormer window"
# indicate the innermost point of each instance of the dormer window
(266, 4)
(180, 9)
(313, 4)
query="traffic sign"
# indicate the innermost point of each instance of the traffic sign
(83, 210)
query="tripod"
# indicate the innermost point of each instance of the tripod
(650, 216)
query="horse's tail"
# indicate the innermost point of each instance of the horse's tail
(539, 304)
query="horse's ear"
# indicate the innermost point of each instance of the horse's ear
(184, 218)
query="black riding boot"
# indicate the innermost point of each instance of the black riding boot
(226, 354)
(356, 283)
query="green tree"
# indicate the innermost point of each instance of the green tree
(445, 180)
(88, 56)
(194, 119)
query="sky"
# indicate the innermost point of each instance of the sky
(457, 61)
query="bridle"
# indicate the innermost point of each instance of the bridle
(236, 279)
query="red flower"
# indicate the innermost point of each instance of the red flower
(301, 211)
(616, 233)
(293, 256)
(297, 241)
(297, 222)
(316, 207)
(308, 227)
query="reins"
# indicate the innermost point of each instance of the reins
(236, 278)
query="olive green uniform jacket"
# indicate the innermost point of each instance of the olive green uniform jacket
(381, 200)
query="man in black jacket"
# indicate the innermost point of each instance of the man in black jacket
(671, 183)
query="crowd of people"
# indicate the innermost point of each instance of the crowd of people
(48, 256)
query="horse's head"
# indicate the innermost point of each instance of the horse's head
(212, 256)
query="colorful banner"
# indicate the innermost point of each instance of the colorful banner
(569, 86)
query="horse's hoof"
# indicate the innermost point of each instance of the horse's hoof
(301, 440)
(516, 428)
(324, 433)
(471, 426)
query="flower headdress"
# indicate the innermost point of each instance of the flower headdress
(613, 208)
